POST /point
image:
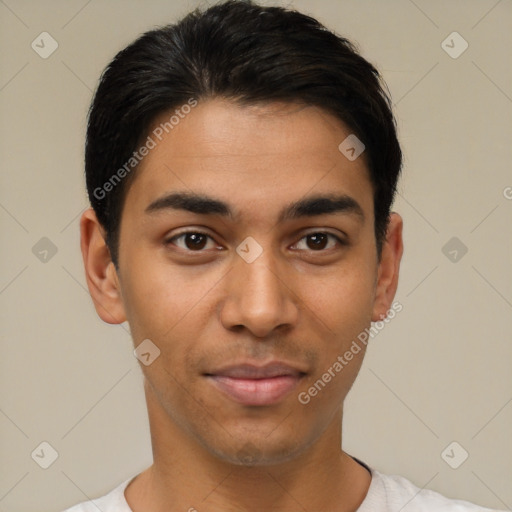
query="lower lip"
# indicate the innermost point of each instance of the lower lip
(256, 391)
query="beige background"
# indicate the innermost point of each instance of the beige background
(440, 372)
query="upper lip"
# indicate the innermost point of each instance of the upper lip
(253, 371)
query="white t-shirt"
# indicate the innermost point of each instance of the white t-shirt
(387, 493)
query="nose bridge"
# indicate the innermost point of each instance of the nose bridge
(261, 277)
(259, 298)
(260, 285)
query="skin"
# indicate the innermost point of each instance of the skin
(297, 302)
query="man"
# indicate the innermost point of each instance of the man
(241, 167)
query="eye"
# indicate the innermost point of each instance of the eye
(319, 241)
(192, 241)
(197, 241)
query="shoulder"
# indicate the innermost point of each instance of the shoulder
(394, 492)
(114, 501)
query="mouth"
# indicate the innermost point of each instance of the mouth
(252, 385)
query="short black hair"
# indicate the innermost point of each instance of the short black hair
(248, 54)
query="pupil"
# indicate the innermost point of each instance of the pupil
(318, 240)
(197, 240)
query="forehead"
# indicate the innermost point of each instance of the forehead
(254, 157)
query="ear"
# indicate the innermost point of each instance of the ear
(389, 265)
(100, 271)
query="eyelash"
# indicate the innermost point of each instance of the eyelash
(184, 233)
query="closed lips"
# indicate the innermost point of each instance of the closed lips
(251, 385)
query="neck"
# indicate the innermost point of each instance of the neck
(187, 477)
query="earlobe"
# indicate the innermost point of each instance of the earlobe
(389, 266)
(100, 272)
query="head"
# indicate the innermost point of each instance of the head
(230, 125)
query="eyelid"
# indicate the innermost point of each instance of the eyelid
(194, 231)
(326, 231)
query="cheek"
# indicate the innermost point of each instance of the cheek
(159, 297)
(341, 308)
(164, 305)
(341, 301)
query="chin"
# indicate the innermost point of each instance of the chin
(256, 451)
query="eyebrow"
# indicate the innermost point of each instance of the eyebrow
(307, 207)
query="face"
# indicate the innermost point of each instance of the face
(247, 256)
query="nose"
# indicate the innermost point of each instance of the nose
(259, 297)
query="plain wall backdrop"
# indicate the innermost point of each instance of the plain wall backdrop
(438, 373)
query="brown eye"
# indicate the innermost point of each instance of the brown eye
(318, 241)
(191, 241)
